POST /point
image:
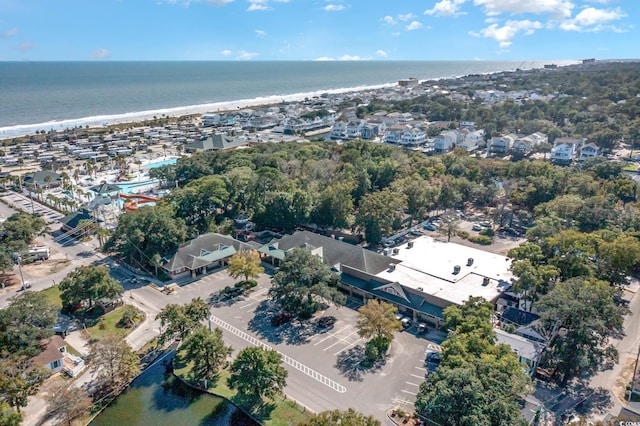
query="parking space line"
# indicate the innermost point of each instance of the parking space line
(412, 384)
(341, 340)
(330, 335)
(287, 359)
(401, 401)
(420, 368)
(410, 393)
(348, 347)
(415, 375)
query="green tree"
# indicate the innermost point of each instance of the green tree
(245, 263)
(28, 319)
(580, 317)
(114, 363)
(177, 320)
(8, 416)
(337, 417)
(89, 283)
(477, 382)
(144, 232)
(335, 206)
(301, 280)
(207, 351)
(616, 258)
(68, 402)
(377, 321)
(533, 280)
(19, 380)
(258, 373)
(131, 316)
(377, 213)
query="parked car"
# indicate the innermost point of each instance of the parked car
(416, 232)
(433, 358)
(406, 322)
(326, 322)
(280, 319)
(429, 227)
(422, 327)
(399, 316)
(476, 227)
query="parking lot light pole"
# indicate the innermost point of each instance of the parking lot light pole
(20, 269)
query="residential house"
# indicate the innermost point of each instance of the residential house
(369, 131)
(55, 357)
(353, 129)
(447, 140)
(339, 130)
(588, 151)
(564, 150)
(528, 351)
(393, 134)
(204, 253)
(500, 145)
(414, 136)
(472, 140)
(523, 146)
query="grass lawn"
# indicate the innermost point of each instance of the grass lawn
(277, 412)
(53, 295)
(106, 324)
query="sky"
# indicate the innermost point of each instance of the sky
(266, 30)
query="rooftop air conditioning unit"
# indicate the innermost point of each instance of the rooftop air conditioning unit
(485, 281)
(470, 261)
(392, 267)
(456, 269)
(410, 244)
(396, 250)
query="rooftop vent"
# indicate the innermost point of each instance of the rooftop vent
(410, 244)
(392, 267)
(470, 261)
(485, 281)
(456, 270)
(396, 250)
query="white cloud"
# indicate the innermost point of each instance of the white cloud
(9, 33)
(414, 25)
(187, 3)
(333, 7)
(349, 58)
(260, 33)
(101, 54)
(244, 55)
(406, 17)
(219, 2)
(445, 8)
(24, 46)
(226, 52)
(382, 53)
(324, 58)
(257, 5)
(557, 9)
(506, 33)
(592, 19)
(389, 20)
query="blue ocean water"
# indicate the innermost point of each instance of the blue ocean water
(54, 95)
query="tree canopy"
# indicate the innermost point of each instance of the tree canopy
(257, 373)
(87, 284)
(207, 351)
(302, 280)
(245, 263)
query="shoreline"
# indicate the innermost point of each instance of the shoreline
(107, 120)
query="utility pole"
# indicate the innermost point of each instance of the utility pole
(633, 379)
(20, 269)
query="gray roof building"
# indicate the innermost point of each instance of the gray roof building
(216, 142)
(205, 251)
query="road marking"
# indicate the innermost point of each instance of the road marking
(347, 347)
(420, 368)
(433, 347)
(412, 384)
(342, 340)
(287, 359)
(415, 375)
(330, 335)
(410, 393)
(401, 401)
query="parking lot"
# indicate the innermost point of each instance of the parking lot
(24, 203)
(323, 361)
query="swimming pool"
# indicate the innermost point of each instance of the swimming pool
(126, 188)
(160, 163)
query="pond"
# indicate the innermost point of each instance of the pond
(157, 397)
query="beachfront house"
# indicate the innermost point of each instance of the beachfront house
(564, 150)
(393, 134)
(413, 137)
(588, 151)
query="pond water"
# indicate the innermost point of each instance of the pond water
(157, 398)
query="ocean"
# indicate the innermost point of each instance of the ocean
(57, 95)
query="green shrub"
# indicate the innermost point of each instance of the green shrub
(239, 284)
(463, 234)
(488, 232)
(481, 239)
(371, 351)
(250, 284)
